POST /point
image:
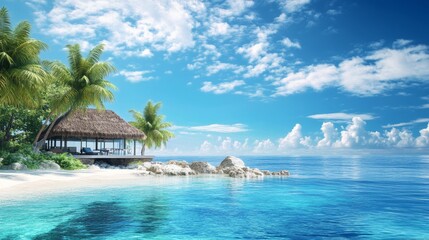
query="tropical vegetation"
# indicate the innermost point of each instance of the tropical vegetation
(83, 83)
(35, 94)
(21, 75)
(153, 125)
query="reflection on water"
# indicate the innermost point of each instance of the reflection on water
(96, 219)
(151, 214)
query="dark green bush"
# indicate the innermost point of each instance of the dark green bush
(32, 160)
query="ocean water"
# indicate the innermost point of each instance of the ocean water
(324, 198)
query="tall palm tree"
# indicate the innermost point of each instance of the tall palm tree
(84, 85)
(21, 75)
(152, 125)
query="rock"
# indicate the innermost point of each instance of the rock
(177, 170)
(231, 162)
(49, 165)
(147, 164)
(156, 168)
(283, 173)
(182, 164)
(202, 167)
(266, 172)
(15, 166)
(93, 167)
(245, 173)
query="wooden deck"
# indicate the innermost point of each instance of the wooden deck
(113, 159)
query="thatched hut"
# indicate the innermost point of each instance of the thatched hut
(101, 130)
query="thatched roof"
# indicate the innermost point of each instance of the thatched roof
(92, 123)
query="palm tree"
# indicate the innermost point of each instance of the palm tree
(152, 125)
(84, 85)
(21, 75)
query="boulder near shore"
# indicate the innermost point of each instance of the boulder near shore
(230, 166)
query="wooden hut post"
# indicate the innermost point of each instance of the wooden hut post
(96, 143)
(65, 142)
(134, 147)
(61, 142)
(125, 146)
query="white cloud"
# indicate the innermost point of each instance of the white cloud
(236, 7)
(423, 139)
(424, 106)
(219, 28)
(218, 128)
(316, 77)
(341, 116)
(135, 76)
(294, 139)
(401, 42)
(221, 87)
(123, 25)
(396, 138)
(403, 124)
(333, 12)
(330, 135)
(290, 44)
(145, 53)
(373, 74)
(294, 5)
(253, 51)
(220, 66)
(355, 134)
(263, 146)
(206, 147)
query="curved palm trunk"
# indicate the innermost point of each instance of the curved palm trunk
(40, 143)
(143, 149)
(43, 127)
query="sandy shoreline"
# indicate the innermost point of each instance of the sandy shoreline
(18, 184)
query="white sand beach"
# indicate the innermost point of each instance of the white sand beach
(18, 184)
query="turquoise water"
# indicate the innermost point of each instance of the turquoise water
(324, 198)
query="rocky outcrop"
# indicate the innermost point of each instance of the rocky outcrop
(49, 165)
(231, 162)
(202, 167)
(235, 167)
(230, 166)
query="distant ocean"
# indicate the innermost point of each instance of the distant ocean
(383, 197)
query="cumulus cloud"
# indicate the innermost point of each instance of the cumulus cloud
(220, 66)
(294, 5)
(423, 139)
(225, 145)
(219, 28)
(353, 136)
(124, 25)
(330, 135)
(373, 74)
(341, 116)
(221, 87)
(290, 44)
(294, 139)
(135, 76)
(263, 146)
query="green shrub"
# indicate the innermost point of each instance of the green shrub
(66, 161)
(27, 159)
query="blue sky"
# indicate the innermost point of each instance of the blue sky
(258, 77)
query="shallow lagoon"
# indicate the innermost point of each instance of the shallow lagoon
(329, 197)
